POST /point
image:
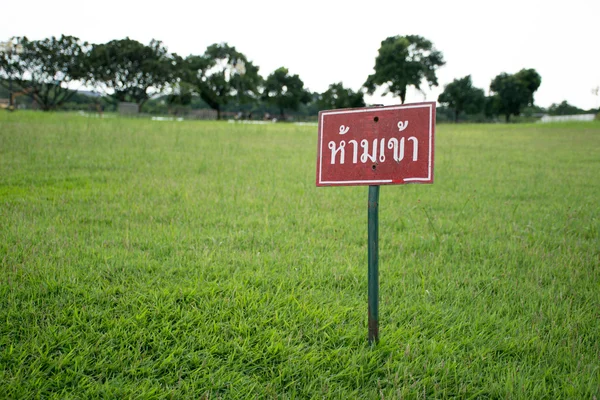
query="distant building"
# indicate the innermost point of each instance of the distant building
(128, 108)
(202, 114)
(566, 118)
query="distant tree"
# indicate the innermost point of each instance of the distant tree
(131, 71)
(533, 111)
(285, 91)
(532, 81)
(222, 75)
(311, 108)
(491, 106)
(11, 66)
(564, 108)
(513, 92)
(44, 69)
(337, 96)
(179, 98)
(461, 96)
(404, 61)
(510, 95)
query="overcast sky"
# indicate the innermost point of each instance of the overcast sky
(332, 41)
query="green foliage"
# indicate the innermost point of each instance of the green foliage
(183, 98)
(534, 111)
(491, 106)
(285, 91)
(461, 96)
(180, 99)
(405, 61)
(311, 109)
(44, 69)
(222, 75)
(130, 70)
(12, 65)
(564, 108)
(158, 260)
(513, 92)
(531, 80)
(337, 96)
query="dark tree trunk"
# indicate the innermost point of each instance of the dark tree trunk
(11, 97)
(141, 104)
(456, 116)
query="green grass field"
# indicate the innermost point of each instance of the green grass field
(145, 259)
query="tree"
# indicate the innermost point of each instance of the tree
(131, 71)
(461, 96)
(222, 75)
(10, 66)
(564, 108)
(180, 98)
(44, 69)
(491, 106)
(285, 91)
(337, 96)
(404, 61)
(513, 92)
(532, 81)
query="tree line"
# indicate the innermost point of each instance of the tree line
(509, 94)
(126, 70)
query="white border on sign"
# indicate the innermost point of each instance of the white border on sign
(428, 178)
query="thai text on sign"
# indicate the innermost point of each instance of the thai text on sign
(376, 146)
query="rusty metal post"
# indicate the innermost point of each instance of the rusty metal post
(373, 255)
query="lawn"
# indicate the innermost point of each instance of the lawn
(163, 259)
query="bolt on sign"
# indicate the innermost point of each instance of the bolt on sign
(376, 146)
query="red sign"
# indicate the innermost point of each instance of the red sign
(376, 146)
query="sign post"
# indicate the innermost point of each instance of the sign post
(373, 256)
(376, 146)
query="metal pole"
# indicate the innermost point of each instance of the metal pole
(373, 256)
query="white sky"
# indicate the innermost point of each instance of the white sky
(331, 41)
